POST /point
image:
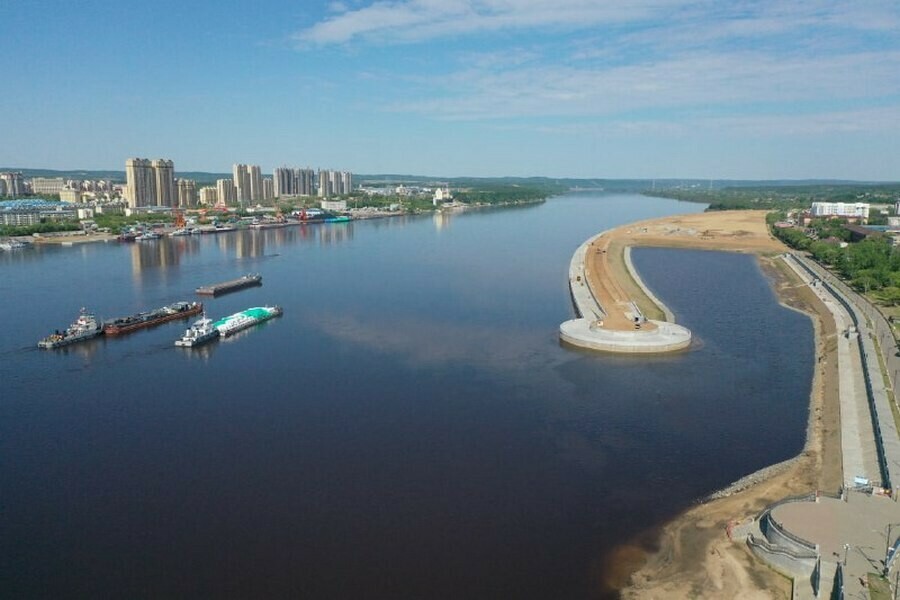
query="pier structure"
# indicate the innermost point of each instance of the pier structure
(608, 319)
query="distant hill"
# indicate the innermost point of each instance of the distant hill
(613, 185)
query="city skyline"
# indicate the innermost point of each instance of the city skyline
(655, 89)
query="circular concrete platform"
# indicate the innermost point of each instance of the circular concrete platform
(584, 333)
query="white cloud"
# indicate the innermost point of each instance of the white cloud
(388, 21)
(404, 20)
(697, 81)
(885, 119)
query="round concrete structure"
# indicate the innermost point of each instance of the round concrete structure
(584, 333)
(588, 331)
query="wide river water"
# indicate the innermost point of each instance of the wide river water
(410, 428)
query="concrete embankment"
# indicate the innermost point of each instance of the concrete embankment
(588, 331)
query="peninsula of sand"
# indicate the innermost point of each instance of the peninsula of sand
(694, 555)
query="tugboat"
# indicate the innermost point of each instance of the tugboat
(84, 328)
(199, 333)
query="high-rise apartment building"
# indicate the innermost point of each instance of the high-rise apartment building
(140, 182)
(294, 182)
(164, 172)
(241, 182)
(150, 183)
(324, 183)
(208, 196)
(187, 193)
(334, 183)
(13, 184)
(283, 180)
(226, 192)
(248, 182)
(254, 175)
(268, 189)
(306, 182)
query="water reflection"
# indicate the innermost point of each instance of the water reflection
(441, 220)
(161, 253)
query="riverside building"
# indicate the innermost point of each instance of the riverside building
(248, 182)
(226, 192)
(858, 210)
(187, 193)
(47, 185)
(334, 183)
(12, 184)
(150, 183)
(294, 182)
(208, 196)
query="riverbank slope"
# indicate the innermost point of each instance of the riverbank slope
(692, 556)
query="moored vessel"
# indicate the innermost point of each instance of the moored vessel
(85, 327)
(229, 286)
(201, 332)
(176, 310)
(12, 245)
(246, 318)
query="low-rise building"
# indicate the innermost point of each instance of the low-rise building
(840, 209)
(47, 185)
(70, 195)
(339, 205)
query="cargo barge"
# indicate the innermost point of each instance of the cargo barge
(230, 286)
(177, 310)
(246, 318)
(84, 328)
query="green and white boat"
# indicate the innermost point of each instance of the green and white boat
(246, 318)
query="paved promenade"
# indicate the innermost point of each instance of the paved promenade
(868, 323)
(826, 542)
(858, 450)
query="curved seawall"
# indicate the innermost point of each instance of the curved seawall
(590, 329)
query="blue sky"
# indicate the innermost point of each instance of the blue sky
(568, 88)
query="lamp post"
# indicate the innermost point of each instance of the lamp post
(887, 546)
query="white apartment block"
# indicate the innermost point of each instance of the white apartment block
(840, 209)
(47, 185)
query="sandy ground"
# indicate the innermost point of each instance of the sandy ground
(692, 556)
(73, 239)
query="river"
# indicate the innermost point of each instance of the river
(411, 427)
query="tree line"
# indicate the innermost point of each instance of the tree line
(871, 266)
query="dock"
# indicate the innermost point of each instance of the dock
(233, 285)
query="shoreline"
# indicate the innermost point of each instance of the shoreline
(696, 556)
(691, 554)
